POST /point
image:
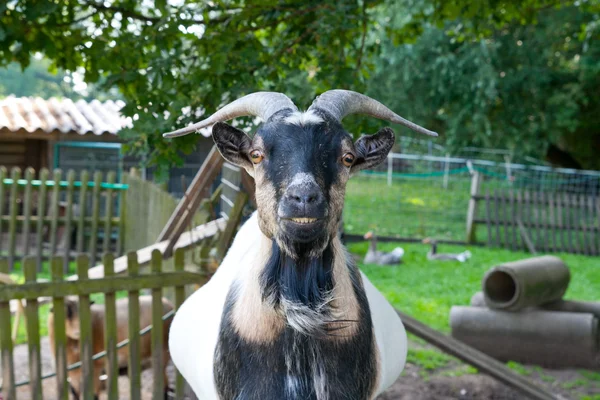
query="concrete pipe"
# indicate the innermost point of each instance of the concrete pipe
(589, 307)
(517, 285)
(547, 338)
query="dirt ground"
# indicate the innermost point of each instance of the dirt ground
(449, 382)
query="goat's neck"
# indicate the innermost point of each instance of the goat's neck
(312, 295)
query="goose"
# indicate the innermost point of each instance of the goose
(434, 255)
(379, 257)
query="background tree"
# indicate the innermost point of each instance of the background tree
(177, 61)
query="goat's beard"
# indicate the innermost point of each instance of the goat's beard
(298, 251)
(302, 288)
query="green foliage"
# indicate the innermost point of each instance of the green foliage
(523, 86)
(176, 62)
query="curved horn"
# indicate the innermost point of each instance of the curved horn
(341, 103)
(259, 104)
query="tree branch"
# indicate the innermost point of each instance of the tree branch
(364, 36)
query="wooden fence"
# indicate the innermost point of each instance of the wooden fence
(539, 221)
(51, 215)
(58, 288)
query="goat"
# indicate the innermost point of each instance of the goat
(288, 315)
(98, 325)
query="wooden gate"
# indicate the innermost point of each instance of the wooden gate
(540, 221)
(83, 287)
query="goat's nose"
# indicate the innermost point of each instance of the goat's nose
(304, 194)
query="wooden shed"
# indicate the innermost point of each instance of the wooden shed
(32, 129)
(66, 134)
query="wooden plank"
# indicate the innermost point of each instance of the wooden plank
(544, 223)
(472, 208)
(186, 240)
(552, 222)
(179, 261)
(474, 357)
(497, 217)
(69, 219)
(506, 219)
(103, 285)
(568, 211)
(488, 219)
(158, 360)
(93, 250)
(85, 331)
(6, 343)
(122, 217)
(249, 187)
(108, 212)
(3, 202)
(60, 336)
(520, 243)
(85, 177)
(598, 218)
(584, 219)
(12, 225)
(134, 330)
(592, 222)
(55, 210)
(234, 220)
(513, 222)
(538, 208)
(41, 211)
(29, 176)
(110, 337)
(206, 174)
(526, 239)
(33, 333)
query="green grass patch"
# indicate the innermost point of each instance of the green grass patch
(518, 368)
(591, 375)
(428, 289)
(427, 359)
(577, 383)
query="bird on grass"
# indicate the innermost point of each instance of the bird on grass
(434, 255)
(379, 257)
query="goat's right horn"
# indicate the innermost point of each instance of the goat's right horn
(258, 104)
(340, 103)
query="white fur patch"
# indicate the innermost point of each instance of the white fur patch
(303, 179)
(303, 118)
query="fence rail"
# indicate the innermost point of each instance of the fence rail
(58, 289)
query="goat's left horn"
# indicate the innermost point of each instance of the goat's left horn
(341, 103)
(258, 104)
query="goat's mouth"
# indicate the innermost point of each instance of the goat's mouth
(302, 229)
(303, 221)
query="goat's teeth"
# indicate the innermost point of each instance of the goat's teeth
(304, 220)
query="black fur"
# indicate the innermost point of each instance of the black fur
(307, 281)
(346, 367)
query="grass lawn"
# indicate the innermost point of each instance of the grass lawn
(428, 289)
(407, 208)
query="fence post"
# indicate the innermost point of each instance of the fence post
(6, 343)
(472, 210)
(446, 170)
(390, 169)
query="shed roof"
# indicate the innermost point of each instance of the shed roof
(34, 114)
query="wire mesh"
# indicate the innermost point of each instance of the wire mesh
(418, 196)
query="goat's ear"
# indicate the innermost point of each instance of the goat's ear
(233, 144)
(373, 149)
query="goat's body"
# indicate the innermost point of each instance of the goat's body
(198, 330)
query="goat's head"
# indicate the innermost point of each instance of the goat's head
(301, 161)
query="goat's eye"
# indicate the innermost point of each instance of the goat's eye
(348, 159)
(256, 156)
